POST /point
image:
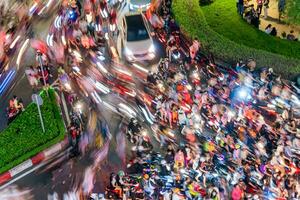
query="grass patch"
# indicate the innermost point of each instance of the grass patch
(193, 22)
(24, 137)
(293, 12)
(223, 18)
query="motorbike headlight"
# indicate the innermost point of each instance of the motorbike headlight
(151, 49)
(171, 134)
(197, 126)
(128, 52)
(144, 133)
(148, 5)
(196, 75)
(131, 7)
(68, 86)
(189, 87)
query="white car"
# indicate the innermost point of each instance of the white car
(135, 38)
(138, 5)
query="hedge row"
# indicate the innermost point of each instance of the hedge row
(190, 17)
(24, 137)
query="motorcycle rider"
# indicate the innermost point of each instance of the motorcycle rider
(133, 129)
(113, 185)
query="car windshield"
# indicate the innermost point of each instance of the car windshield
(136, 29)
(140, 2)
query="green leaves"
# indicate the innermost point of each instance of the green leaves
(24, 137)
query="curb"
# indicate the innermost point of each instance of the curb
(37, 159)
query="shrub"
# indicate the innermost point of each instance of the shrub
(223, 18)
(192, 21)
(24, 137)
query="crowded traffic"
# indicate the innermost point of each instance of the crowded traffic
(192, 128)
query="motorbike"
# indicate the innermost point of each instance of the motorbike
(145, 111)
(143, 144)
(104, 9)
(113, 21)
(163, 133)
(134, 128)
(112, 193)
(95, 196)
(133, 189)
(12, 113)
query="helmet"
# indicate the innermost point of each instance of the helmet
(176, 190)
(121, 173)
(146, 176)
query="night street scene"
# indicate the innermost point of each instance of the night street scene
(150, 99)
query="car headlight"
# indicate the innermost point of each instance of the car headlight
(131, 7)
(128, 52)
(151, 49)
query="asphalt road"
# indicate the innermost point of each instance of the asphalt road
(62, 173)
(19, 85)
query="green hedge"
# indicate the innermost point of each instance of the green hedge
(24, 137)
(191, 19)
(223, 18)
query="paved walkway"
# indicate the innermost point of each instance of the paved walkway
(273, 16)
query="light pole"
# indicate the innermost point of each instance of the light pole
(39, 101)
(42, 68)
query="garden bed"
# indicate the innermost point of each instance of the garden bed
(191, 19)
(24, 138)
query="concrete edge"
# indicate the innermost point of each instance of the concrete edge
(37, 159)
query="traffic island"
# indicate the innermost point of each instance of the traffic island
(193, 22)
(24, 137)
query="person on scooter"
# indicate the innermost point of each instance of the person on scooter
(133, 129)
(13, 103)
(113, 185)
(120, 183)
(171, 47)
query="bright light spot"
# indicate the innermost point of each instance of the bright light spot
(100, 66)
(68, 86)
(151, 49)
(14, 42)
(231, 113)
(21, 52)
(78, 106)
(189, 87)
(140, 68)
(144, 133)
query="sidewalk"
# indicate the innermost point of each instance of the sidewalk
(273, 18)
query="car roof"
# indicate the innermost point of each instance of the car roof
(135, 20)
